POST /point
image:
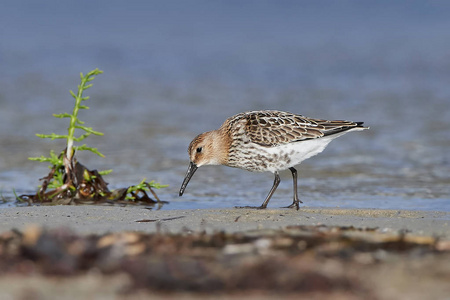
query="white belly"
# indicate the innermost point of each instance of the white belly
(256, 158)
(286, 156)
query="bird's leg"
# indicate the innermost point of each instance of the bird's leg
(296, 200)
(276, 182)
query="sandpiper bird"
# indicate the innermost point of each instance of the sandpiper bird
(266, 140)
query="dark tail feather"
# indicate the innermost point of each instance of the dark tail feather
(344, 128)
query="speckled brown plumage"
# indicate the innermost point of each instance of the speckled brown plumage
(268, 140)
(273, 128)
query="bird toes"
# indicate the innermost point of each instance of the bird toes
(294, 204)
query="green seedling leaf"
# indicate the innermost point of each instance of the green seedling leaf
(63, 115)
(142, 186)
(40, 159)
(17, 197)
(93, 150)
(105, 172)
(81, 137)
(87, 177)
(156, 185)
(52, 136)
(53, 159)
(88, 130)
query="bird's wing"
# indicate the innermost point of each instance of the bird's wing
(273, 128)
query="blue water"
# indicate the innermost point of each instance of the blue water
(174, 69)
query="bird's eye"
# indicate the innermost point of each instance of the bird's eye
(199, 149)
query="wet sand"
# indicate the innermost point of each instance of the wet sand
(105, 219)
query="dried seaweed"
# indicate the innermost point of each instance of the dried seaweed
(84, 186)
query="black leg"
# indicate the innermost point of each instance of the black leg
(276, 182)
(296, 200)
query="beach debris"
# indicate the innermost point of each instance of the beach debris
(301, 259)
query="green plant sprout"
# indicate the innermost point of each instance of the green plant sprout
(143, 187)
(74, 121)
(68, 179)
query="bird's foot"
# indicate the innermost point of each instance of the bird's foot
(295, 204)
(252, 207)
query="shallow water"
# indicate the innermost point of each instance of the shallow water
(173, 70)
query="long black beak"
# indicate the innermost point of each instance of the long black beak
(190, 172)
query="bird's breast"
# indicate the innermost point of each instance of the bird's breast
(256, 158)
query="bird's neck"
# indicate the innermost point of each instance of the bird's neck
(220, 143)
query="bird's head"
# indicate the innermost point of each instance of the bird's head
(209, 148)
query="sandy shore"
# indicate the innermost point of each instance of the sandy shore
(334, 261)
(103, 219)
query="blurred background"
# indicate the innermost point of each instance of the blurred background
(174, 69)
